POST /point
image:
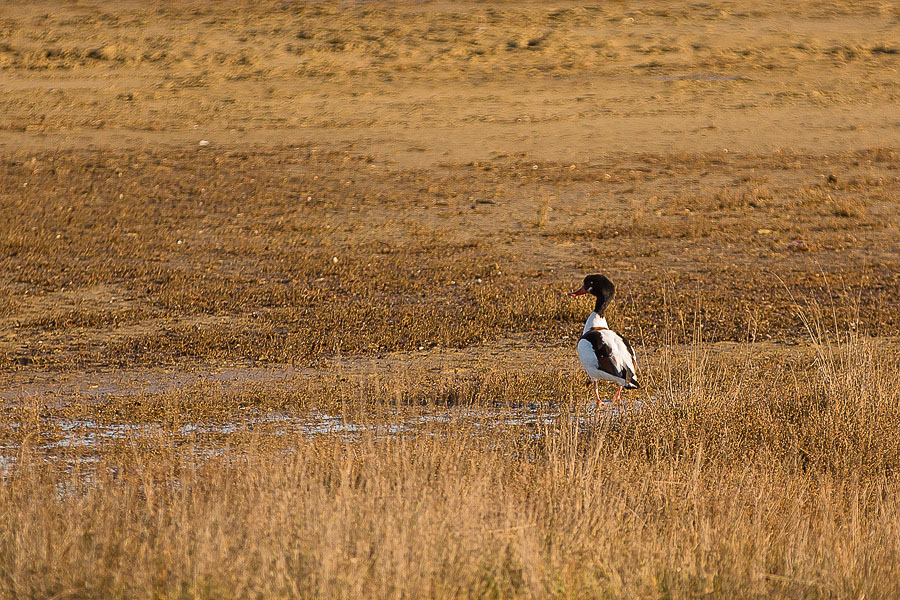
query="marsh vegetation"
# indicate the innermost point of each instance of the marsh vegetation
(329, 353)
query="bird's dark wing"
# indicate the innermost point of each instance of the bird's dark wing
(602, 351)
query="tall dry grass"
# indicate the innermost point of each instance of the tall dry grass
(736, 476)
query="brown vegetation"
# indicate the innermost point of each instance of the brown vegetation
(328, 353)
(735, 478)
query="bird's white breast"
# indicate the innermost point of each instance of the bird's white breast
(594, 321)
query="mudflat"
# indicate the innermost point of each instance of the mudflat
(344, 231)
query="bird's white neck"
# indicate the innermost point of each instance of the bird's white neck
(594, 320)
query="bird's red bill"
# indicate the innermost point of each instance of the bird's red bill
(579, 292)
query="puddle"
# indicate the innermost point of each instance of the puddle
(86, 434)
(78, 445)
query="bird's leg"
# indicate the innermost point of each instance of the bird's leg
(597, 392)
(618, 394)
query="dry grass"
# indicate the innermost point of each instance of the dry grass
(328, 353)
(735, 477)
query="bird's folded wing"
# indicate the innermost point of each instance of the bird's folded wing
(603, 352)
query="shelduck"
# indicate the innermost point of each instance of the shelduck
(604, 353)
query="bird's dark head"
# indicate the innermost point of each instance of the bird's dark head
(598, 285)
(601, 287)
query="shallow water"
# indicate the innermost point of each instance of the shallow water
(82, 440)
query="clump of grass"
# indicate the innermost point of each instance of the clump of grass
(8, 306)
(848, 207)
(543, 213)
(752, 196)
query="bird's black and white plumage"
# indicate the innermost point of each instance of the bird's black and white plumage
(604, 353)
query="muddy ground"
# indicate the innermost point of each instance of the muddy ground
(285, 191)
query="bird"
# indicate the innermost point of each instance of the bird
(604, 353)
